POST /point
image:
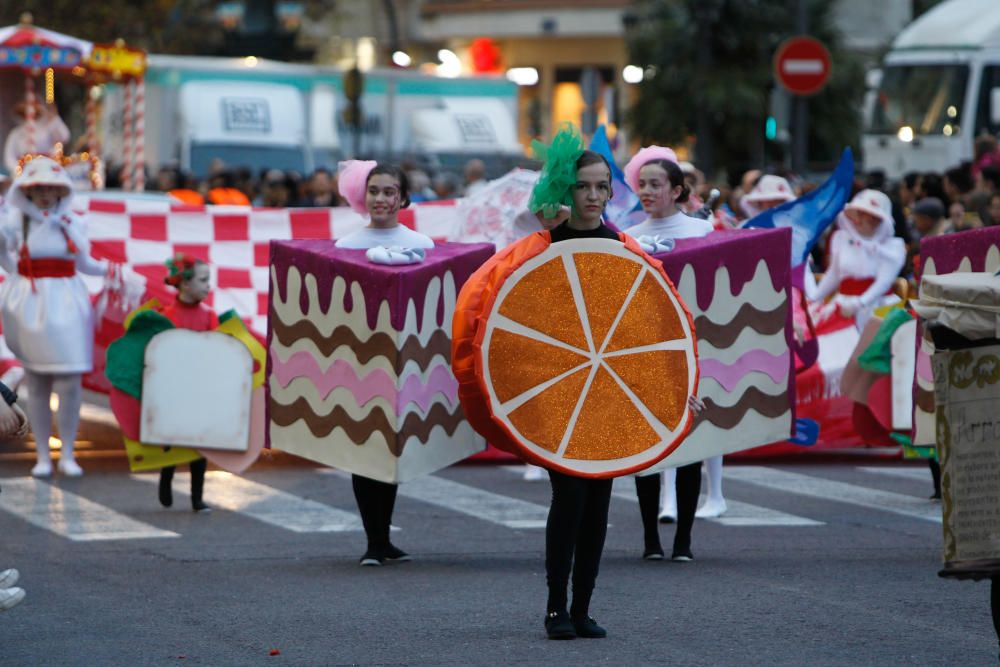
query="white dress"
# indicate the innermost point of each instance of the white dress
(48, 325)
(676, 226)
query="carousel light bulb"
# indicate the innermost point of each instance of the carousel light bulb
(50, 86)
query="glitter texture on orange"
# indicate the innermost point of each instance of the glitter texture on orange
(578, 356)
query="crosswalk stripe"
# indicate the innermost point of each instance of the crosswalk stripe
(70, 515)
(827, 489)
(468, 500)
(737, 513)
(264, 503)
(921, 474)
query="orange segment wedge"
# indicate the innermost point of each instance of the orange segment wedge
(559, 318)
(618, 405)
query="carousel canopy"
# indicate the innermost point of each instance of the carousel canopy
(25, 46)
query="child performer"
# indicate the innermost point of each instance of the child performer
(379, 191)
(47, 317)
(192, 279)
(654, 174)
(578, 515)
(865, 259)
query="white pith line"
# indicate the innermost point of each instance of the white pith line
(680, 344)
(581, 307)
(661, 429)
(576, 411)
(506, 324)
(525, 396)
(621, 311)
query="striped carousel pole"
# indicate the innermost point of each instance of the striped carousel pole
(29, 112)
(91, 117)
(127, 120)
(140, 135)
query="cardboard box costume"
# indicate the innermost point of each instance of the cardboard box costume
(358, 359)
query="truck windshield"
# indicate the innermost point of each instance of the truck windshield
(257, 158)
(926, 98)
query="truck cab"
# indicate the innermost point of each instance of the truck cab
(939, 88)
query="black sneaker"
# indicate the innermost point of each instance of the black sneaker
(682, 555)
(200, 506)
(588, 628)
(558, 625)
(397, 555)
(653, 554)
(371, 559)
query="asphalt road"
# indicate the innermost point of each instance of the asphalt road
(823, 564)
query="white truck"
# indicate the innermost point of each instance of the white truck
(265, 114)
(939, 88)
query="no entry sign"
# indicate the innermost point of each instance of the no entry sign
(802, 65)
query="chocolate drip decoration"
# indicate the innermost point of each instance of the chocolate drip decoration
(724, 335)
(753, 399)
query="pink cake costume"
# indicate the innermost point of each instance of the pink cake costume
(48, 320)
(359, 345)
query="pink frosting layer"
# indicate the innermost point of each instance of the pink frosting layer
(377, 383)
(775, 366)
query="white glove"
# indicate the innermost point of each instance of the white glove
(848, 305)
(395, 255)
(655, 244)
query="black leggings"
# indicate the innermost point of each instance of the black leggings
(574, 539)
(995, 604)
(376, 501)
(688, 485)
(198, 468)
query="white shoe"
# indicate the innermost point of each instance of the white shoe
(42, 469)
(10, 597)
(533, 473)
(712, 509)
(70, 468)
(9, 577)
(668, 515)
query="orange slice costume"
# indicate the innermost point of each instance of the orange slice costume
(577, 356)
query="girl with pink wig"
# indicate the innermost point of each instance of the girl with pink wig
(380, 192)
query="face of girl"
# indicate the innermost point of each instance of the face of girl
(44, 196)
(383, 200)
(591, 192)
(655, 192)
(196, 288)
(864, 222)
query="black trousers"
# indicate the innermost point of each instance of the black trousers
(688, 485)
(574, 539)
(376, 500)
(198, 468)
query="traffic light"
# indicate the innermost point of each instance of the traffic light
(771, 128)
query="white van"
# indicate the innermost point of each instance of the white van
(939, 88)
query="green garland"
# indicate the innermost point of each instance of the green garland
(554, 186)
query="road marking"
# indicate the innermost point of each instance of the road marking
(264, 503)
(737, 513)
(70, 515)
(468, 500)
(826, 489)
(920, 474)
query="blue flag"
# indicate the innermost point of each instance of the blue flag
(811, 214)
(624, 209)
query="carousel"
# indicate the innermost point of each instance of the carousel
(33, 63)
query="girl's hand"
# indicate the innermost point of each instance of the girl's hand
(23, 418)
(696, 405)
(551, 223)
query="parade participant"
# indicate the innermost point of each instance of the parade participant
(49, 131)
(13, 423)
(865, 259)
(379, 191)
(654, 174)
(192, 279)
(48, 321)
(768, 192)
(578, 514)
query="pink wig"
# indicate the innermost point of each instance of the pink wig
(644, 156)
(352, 181)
